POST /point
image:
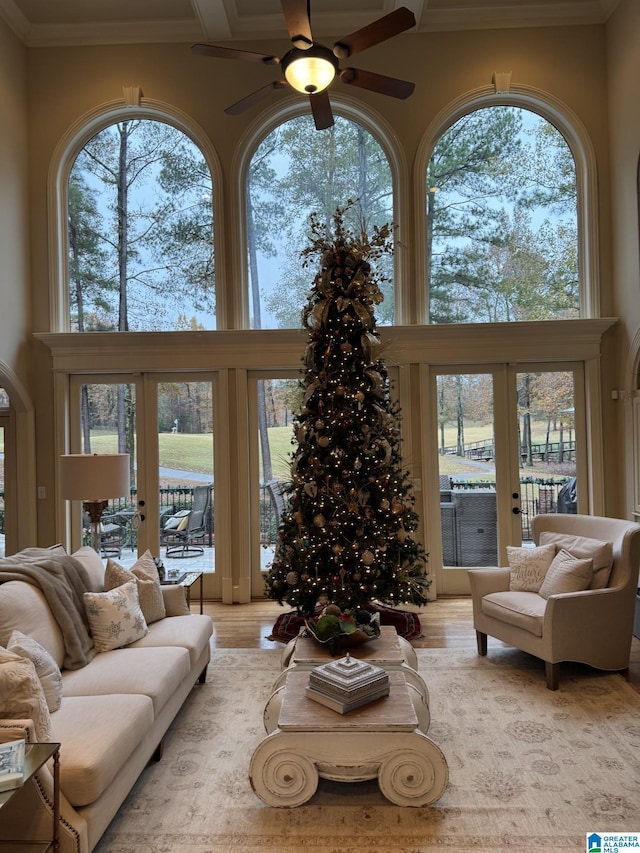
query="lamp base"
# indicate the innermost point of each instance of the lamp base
(94, 510)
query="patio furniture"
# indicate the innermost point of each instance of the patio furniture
(182, 530)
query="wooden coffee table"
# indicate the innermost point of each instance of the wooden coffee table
(380, 740)
(389, 651)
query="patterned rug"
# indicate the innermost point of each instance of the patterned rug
(530, 769)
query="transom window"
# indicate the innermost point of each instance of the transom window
(502, 236)
(295, 171)
(140, 228)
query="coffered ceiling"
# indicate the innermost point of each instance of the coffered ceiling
(72, 22)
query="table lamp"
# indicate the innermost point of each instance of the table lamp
(94, 478)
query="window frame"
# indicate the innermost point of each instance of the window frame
(64, 157)
(569, 125)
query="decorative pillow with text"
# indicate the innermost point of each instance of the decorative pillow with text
(529, 566)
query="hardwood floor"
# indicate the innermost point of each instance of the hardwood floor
(446, 623)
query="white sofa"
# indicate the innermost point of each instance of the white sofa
(114, 710)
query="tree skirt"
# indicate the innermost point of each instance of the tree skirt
(407, 625)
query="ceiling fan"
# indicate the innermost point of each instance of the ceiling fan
(310, 67)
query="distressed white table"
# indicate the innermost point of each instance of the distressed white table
(389, 651)
(380, 740)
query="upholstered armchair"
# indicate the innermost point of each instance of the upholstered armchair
(592, 624)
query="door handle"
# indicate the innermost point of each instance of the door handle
(516, 510)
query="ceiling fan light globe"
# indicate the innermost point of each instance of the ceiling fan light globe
(309, 71)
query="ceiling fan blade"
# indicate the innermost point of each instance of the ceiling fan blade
(218, 52)
(255, 97)
(321, 109)
(296, 14)
(377, 82)
(384, 28)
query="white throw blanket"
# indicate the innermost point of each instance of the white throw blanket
(62, 580)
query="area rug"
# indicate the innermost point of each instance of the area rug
(530, 769)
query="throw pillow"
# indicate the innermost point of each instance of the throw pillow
(583, 547)
(115, 618)
(145, 573)
(92, 562)
(566, 574)
(47, 669)
(529, 566)
(22, 696)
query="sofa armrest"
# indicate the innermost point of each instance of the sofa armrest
(17, 729)
(175, 600)
(485, 581)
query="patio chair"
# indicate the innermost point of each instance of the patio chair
(111, 535)
(182, 530)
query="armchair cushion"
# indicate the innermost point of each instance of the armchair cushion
(521, 609)
(584, 547)
(567, 574)
(529, 566)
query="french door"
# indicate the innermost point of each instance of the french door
(166, 422)
(506, 442)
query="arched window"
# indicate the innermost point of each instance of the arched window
(140, 231)
(502, 220)
(295, 171)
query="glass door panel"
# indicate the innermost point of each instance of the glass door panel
(467, 470)
(108, 425)
(185, 475)
(547, 444)
(275, 401)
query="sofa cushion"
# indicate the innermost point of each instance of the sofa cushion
(522, 609)
(115, 618)
(98, 734)
(156, 673)
(93, 564)
(566, 574)
(145, 574)
(529, 566)
(23, 607)
(21, 694)
(188, 632)
(583, 547)
(47, 669)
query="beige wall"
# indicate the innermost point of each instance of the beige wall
(15, 320)
(623, 46)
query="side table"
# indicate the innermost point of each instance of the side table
(389, 651)
(380, 740)
(36, 755)
(187, 580)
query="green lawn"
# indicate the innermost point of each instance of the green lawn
(193, 452)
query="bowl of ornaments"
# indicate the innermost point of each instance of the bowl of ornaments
(340, 630)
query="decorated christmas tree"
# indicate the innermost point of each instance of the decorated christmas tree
(346, 537)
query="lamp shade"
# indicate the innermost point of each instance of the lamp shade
(94, 477)
(310, 71)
